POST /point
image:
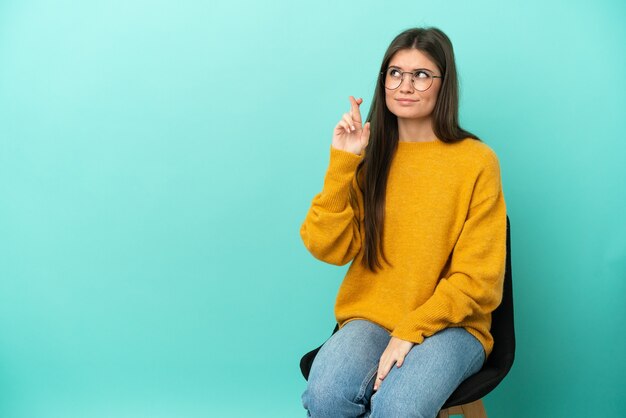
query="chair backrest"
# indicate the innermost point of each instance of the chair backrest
(502, 325)
(501, 358)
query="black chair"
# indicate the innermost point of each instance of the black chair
(467, 398)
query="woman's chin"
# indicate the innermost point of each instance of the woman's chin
(410, 115)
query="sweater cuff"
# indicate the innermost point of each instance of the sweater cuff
(340, 173)
(343, 162)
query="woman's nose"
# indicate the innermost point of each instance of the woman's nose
(407, 84)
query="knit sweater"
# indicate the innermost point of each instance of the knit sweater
(444, 238)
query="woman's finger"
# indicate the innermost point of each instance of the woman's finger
(349, 121)
(383, 369)
(344, 125)
(365, 134)
(354, 110)
(399, 362)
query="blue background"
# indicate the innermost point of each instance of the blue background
(157, 159)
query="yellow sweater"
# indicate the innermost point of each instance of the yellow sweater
(444, 235)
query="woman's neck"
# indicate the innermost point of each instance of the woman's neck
(416, 130)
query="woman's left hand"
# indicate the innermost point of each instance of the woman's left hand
(395, 352)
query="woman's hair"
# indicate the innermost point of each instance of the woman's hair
(374, 168)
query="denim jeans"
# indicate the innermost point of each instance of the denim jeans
(341, 380)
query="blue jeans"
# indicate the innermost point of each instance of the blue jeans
(341, 381)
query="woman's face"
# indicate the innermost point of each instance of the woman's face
(423, 101)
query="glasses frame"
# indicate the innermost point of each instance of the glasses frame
(413, 76)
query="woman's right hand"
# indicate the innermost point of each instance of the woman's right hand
(349, 135)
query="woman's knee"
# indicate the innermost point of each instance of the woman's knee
(324, 400)
(389, 404)
(318, 401)
(342, 373)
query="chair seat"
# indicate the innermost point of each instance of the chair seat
(474, 387)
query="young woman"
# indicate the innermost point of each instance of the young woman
(416, 203)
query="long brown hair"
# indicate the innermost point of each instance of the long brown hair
(384, 132)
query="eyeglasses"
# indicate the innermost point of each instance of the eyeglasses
(422, 79)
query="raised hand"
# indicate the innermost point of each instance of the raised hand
(349, 135)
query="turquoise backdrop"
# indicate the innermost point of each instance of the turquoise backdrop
(157, 159)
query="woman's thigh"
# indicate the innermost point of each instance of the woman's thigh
(430, 373)
(342, 375)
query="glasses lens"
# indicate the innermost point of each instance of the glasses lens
(393, 78)
(422, 80)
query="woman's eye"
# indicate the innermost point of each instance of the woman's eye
(421, 74)
(394, 73)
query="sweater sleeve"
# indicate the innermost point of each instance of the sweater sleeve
(330, 230)
(474, 279)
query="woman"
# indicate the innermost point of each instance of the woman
(416, 203)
